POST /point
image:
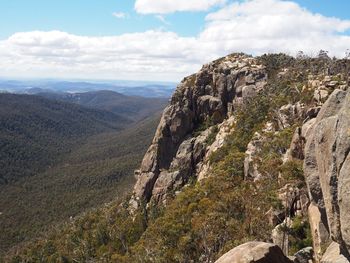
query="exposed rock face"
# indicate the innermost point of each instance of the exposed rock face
(327, 171)
(325, 85)
(333, 254)
(252, 252)
(224, 129)
(288, 113)
(200, 117)
(203, 99)
(253, 148)
(280, 238)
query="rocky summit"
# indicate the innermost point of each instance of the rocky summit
(178, 150)
(204, 106)
(249, 163)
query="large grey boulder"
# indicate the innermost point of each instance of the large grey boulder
(255, 252)
(327, 168)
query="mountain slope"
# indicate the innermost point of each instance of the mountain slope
(130, 107)
(98, 170)
(34, 131)
(226, 167)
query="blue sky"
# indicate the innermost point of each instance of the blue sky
(94, 17)
(89, 17)
(159, 39)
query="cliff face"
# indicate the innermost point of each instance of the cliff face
(327, 171)
(201, 115)
(180, 145)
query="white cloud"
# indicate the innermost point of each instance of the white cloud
(255, 27)
(162, 19)
(261, 26)
(171, 6)
(149, 55)
(120, 15)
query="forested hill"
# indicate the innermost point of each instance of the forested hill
(132, 107)
(34, 131)
(59, 159)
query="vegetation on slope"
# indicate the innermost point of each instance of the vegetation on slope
(93, 173)
(209, 217)
(59, 159)
(130, 107)
(35, 131)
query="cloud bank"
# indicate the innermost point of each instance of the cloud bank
(255, 27)
(171, 6)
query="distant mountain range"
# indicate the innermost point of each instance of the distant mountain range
(130, 88)
(134, 108)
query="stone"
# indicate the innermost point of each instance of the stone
(321, 94)
(248, 91)
(255, 252)
(332, 84)
(294, 199)
(304, 255)
(319, 229)
(203, 165)
(253, 148)
(275, 216)
(327, 168)
(288, 113)
(296, 148)
(280, 238)
(333, 254)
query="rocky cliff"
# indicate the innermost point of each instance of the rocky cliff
(327, 171)
(201, 115)
(180, 146)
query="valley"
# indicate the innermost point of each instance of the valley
(60, 159)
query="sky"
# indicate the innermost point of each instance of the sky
(159, 40)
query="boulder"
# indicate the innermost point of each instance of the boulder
(319, 229)
(253, 149)
(255, 252)
(304, 255)
(288, 113)
(333, 254)
(321, 94)
(327, 168)
(280, 237)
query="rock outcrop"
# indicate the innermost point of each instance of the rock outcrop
(327, 172)
(255, 252)
(199, 102)
(200, 117)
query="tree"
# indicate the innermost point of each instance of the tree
(301, 55)
(323, 54)
(347, 54)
